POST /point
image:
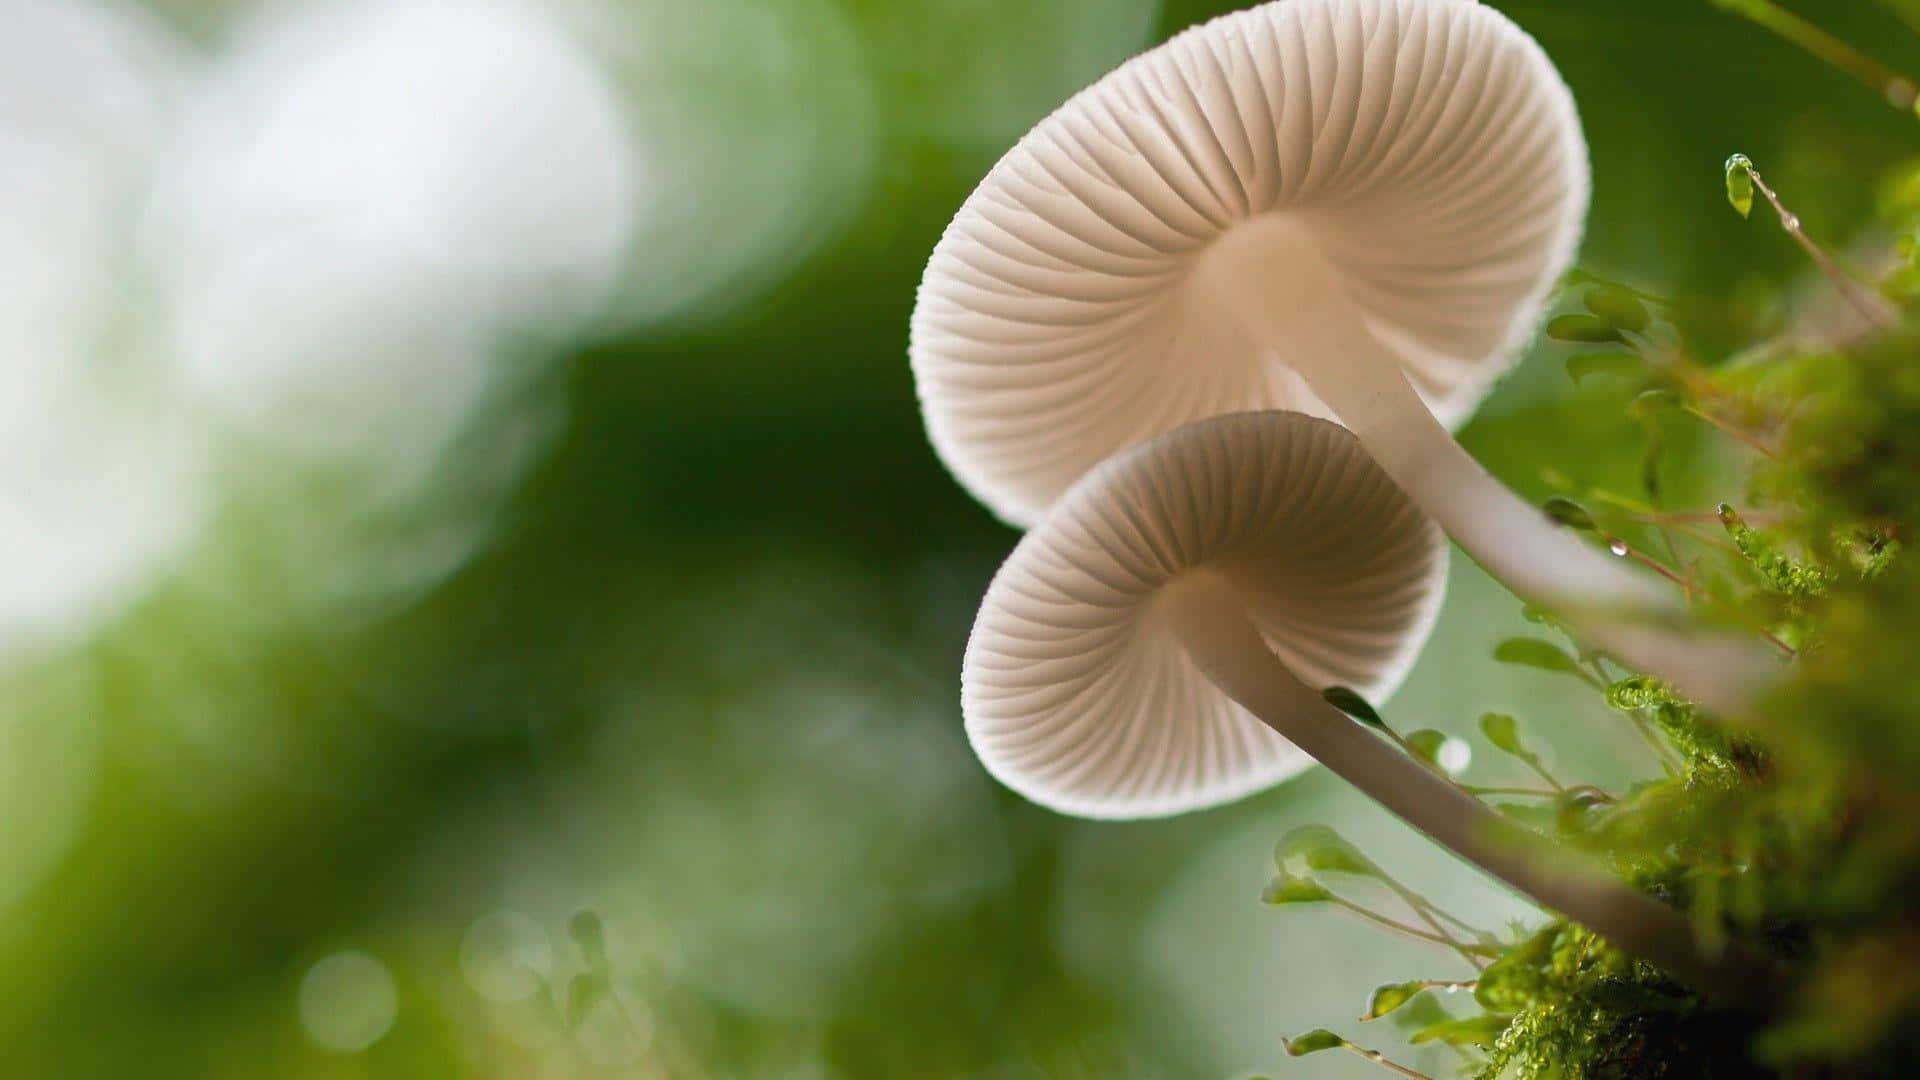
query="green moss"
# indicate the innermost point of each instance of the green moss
(1796, 832)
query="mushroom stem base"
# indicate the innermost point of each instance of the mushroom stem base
(1211, 625)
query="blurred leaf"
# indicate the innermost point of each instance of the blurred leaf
(1899, 189)
(1468, 1031)
(1423, 1011)
(1904, 282)
(1569, 513)
(1648, 403)
(1286, 889)
(1426, 743)
(590, 935)
(1386, 999)
(1584, 798)
(1353, 705)
(1511, 983)
(1624, 364)
(584, 991)
(1650, 461)
(1501, 730)
(1313, 1042)
(1532, 813)
(1340, 861)
(1582, 328)
(1619, 308)
(1740, 184)
(1320, 848)
(1538, 616)
(1573, 811)
(1532, 652)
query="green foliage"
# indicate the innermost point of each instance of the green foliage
(1313, 1042)
(1502, 732)
(1287, 889)
(1797, 584)
(1419, 1013)
(1388, 998)
(1467, 1031)
(1620, 308)
(1533, 652)
(590, 934)
(1623, 365)
(1353, 705)
(1790, 829)
(1706, 747)
(1316, 848)
(1590, 329)
(1426, 744)
(1740, 184)
(1569, 513)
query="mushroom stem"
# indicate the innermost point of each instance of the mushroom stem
(1608, 604)
(1211, 625)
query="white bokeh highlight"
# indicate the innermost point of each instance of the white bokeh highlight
(347, 1002)
(506, 956)
(102, 482)
(1455, 755)
(277, 304)
(370, 203)
(760, 130)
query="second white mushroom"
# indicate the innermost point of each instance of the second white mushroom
(1225, 574)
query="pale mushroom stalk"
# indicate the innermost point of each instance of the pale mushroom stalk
(1210, 624)
(1284, 295)
(1280, 289)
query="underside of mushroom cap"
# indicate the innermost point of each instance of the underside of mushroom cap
(1426, 151)
(1075, 691)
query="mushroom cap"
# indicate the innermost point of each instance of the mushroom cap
(1427, 149)
(1075, 690)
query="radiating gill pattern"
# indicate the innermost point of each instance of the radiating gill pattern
(1075, 693)
(1060, 318)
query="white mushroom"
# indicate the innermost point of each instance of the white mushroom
(1352, 208)
(1286, 511)
(1233, 567)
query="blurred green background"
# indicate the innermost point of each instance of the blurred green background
(555, 535)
